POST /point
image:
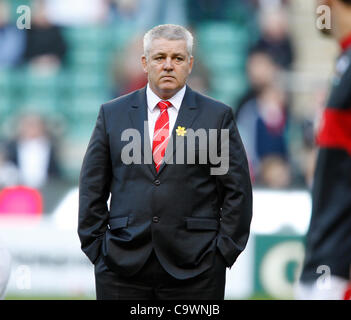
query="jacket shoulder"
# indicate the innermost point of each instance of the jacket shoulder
(121, 101)
(211, 105)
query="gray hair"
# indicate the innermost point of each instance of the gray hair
(169, 32)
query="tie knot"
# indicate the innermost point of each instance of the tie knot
(163, 105)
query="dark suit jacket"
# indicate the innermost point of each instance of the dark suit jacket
(182, 212)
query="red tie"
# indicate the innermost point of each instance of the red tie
(161, 134)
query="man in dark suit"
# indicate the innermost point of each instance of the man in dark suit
(172, 227)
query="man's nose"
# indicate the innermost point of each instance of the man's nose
(168, 65)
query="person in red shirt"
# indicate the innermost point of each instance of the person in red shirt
(327, 265)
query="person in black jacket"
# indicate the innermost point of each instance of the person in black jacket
(45, 44)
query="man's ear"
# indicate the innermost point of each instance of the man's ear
(191, 63)
(144, 63)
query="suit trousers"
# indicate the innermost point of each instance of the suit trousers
(152, 282)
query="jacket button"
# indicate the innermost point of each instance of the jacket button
(155, 219)
(157, 182)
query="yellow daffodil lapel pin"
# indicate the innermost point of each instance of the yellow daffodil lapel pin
(181, 131)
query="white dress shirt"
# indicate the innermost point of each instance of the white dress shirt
(33, 161)
(153, 111)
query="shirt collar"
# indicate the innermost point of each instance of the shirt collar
(345, 43)
(153, 99)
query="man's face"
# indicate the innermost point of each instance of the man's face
(168, 66)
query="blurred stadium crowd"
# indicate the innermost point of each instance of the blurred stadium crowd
(55, 76)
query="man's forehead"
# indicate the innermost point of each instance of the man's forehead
(165, 44)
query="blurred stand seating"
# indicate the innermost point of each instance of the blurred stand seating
(97, 64)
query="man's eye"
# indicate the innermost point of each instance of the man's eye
(179, 59)
(158, 58)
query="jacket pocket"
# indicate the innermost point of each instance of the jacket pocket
(202, 223)
(117, 223)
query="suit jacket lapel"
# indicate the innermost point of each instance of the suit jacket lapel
(186, 116)
(138, 116)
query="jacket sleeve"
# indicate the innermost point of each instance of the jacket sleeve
(94, 190)
(236, 196)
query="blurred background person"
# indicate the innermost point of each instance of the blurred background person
(45, 46)
(34, 153)
(261, 72)
(128, 75)
(12, 40)
(263, 125)
(275, 172)
(199, 77)
(327, 266)
(275, 38)
(34, 150)
(272, 123)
